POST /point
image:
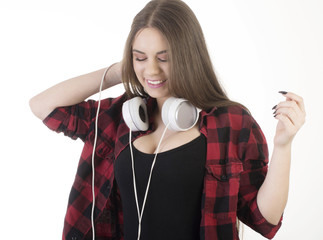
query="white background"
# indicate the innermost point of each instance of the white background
(258, 48)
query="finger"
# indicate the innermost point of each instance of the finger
(288, 112)
(289, 104)
(285, 121)
(288, 126)
(298, 99)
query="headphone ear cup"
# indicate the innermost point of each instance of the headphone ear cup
(180, 114)
(134, 112)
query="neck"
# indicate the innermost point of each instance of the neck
(158, 118)
(160, 103)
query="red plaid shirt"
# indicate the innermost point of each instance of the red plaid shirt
(236, 166)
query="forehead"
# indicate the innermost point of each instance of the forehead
(150, 40)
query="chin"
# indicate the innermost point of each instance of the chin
(157, 95)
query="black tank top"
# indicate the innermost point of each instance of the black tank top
(173, 205)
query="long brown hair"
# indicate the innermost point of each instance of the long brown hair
(191, 71)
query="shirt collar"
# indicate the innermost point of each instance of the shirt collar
(208, 112)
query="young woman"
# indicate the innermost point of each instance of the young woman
(205, 178)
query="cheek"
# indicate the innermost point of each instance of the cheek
(138, 71)
(137, 68)
(166, 70)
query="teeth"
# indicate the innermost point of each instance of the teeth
(156, 82)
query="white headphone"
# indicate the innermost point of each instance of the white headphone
(178, 113)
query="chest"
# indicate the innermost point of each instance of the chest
(148, 143)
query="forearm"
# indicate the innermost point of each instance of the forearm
(273, 194)
(72, 91)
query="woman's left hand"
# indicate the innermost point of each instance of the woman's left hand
(291, 116)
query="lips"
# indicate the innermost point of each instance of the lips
(155, 83)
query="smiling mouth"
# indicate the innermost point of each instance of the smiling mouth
(156, 82)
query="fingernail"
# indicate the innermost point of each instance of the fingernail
(283, 92)
(275, 115)
(275, 112)
(274, 107)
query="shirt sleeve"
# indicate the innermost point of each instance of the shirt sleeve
(253, 151)
(74, 121)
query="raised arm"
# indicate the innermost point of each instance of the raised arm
(273, 194)
(74, 90)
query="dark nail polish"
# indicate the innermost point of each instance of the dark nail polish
(274, 107)
(275, 115)
(275, 112)
(283, 92)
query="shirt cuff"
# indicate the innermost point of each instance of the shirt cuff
(264, 227)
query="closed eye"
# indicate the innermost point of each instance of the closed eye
(143, 59)
(140, 59)
(162, 60)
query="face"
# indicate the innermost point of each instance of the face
(150, 62)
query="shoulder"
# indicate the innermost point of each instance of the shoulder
(234, 125)
(234, 116)
(112, 102)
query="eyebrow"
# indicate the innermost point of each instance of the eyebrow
(160, 52)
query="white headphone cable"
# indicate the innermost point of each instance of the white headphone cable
(93, 153)
(148, 184)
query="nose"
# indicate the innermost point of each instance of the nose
(152, 68)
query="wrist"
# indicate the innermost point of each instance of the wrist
(113, 75)
(284, 145)
(283, 150)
